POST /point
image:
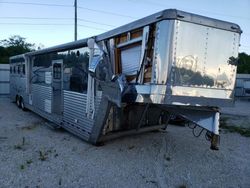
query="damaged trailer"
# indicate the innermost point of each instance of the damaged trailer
(131, 79)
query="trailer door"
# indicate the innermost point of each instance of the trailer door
(57, 86)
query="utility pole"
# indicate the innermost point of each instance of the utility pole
(75, 20)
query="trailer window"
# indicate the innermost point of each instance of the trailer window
(75, 74)
(42, 65)
(10, 69)
(17, 60)
(57, 71)
(14, 69)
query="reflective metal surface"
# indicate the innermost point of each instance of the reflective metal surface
(201, 92)
(189, 67)
(94, 63)
(145, 94)
(163, 42)
(201, 64)
(203, 117)
(144, 47)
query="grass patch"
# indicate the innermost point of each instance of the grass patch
(32, 126)
(22, 167)
(166, 157)
(182, 186)
(43, 156)
(60, 182)
(233, 129)
(151, 181)
(131, 147)
(223, 121)
(21, 145)
(29, 161)
(29, 127)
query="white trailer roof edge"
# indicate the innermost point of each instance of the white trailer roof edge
(162, 15)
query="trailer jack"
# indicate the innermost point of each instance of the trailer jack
(214, 139)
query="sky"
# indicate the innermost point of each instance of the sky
(51, 22)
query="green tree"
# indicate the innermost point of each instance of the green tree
(244, 63)
(15, 45)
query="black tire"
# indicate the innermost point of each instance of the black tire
(22, 104)
(18, 101)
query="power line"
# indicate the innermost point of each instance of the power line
(196, 10)
(33, 24)
(112, 13)
(96, 22)
(52, 24)
(52, 18)
(36, 18)
(106, 12)
(38, 4)
(96, 28)
(71, 6)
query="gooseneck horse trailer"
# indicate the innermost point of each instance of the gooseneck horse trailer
(131, 79)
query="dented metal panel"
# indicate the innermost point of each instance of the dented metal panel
(74, 113)
(162, 55)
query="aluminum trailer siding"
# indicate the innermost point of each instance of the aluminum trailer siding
(132, 78)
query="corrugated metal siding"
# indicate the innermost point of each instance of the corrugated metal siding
(239, 82)
(130, 59)
(239, 92)
(74, 114)
(13, 87)
(18, 86)
(56, 119)
(4, 79)
(40, 93)
(242, 86)
(247, 84)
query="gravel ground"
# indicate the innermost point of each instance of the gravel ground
(34, 155)
(240, 108)
(239, 115)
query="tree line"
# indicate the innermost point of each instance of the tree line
(17, 45)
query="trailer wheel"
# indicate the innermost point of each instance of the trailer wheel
(18, 101)
(22, 104)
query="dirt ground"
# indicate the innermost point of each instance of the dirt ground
(34, 155)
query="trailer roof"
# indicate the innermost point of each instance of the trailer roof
(168, 14)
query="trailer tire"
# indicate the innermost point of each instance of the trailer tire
(18, 101)
(22, 104)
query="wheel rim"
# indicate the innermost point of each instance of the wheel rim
(22, 105)
(17, 101)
